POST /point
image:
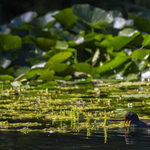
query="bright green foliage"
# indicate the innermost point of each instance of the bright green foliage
(6, 78)
(84, 67)
(68, 14)
(8, 42)
(95, 17)
(87, 39)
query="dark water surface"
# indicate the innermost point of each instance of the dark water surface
(74, 141)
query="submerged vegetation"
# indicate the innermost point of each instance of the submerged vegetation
(72, 108)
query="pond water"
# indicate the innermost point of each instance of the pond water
(74, 116)
(74, 141)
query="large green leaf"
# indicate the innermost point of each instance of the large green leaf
(95, 36)
(140, 54)
(119, 42)
(59, 67)
(61, 45)
(86, 68)
(66, 17)
(76, 39)
(6, 78)
(45, 74)
(58, 58)
(8, 42)
(95, 17)
(43, 43)
(141, 23)
(146, 39)
(118, 61)
(21, 70)
(127, 32)
(142, 64)
(44, 21)
(131, 67)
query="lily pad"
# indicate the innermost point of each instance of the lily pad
(76, 39)
(66, 17)
(95, 17)
(61, 45)
(22, 70)
(8, 42)
(44, 21)
(146, 39)
(43, 43)
(140, 54)
(58, 58)
(6, 78)
(118, 42)
(86, 68)
(118, 61)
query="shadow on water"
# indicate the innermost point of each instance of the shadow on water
(116, 140)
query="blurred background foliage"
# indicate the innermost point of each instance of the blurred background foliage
(9, 9)
(64, 40)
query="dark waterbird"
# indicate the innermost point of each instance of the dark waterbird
(135, 122)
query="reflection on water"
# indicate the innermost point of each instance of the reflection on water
(74, 141)
(134, 135)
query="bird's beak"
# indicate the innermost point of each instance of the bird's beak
(126, 121)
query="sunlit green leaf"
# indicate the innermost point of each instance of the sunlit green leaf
(8, 42)
(146, 39)
(84, 81)
(6, 78)
(47, 74)
(61, 45)
(117, 42)
(95, 36)
(66, 78)
(86, 68)
(118, 61)
(48, 85)
(128, 32)
(58, 58)
(140, 54)
(131, 77)
(66, 17)
(59, 67)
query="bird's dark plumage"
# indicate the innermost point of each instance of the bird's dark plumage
(135, 122)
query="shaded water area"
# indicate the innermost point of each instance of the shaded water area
(74, 116)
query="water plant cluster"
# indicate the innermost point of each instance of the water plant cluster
(54, 45)
(72, 108)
